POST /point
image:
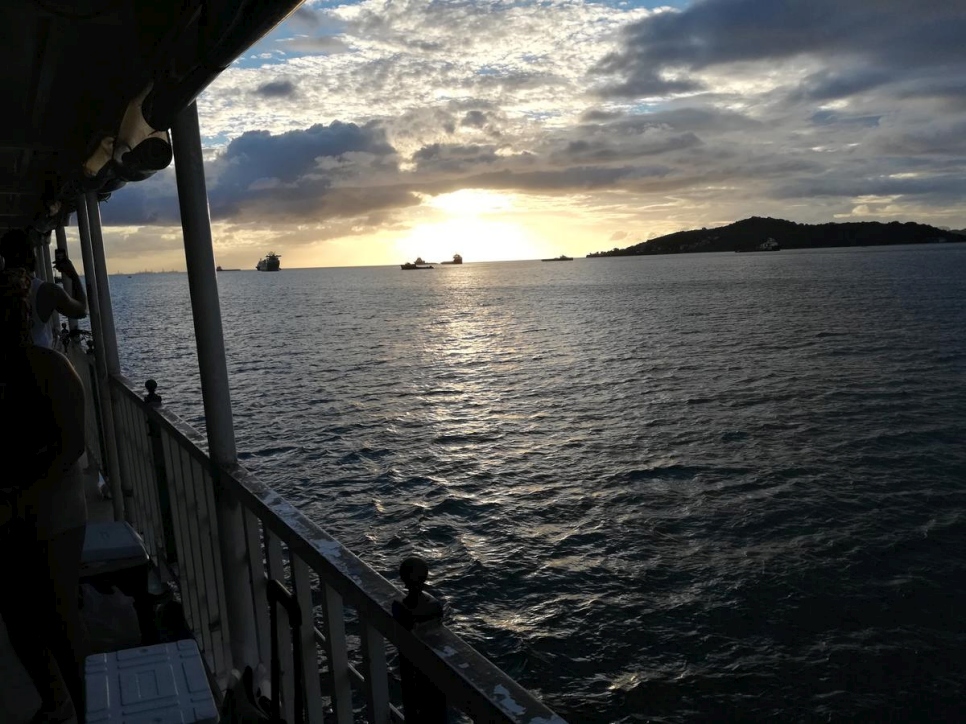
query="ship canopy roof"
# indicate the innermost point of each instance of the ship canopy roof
(90, 89)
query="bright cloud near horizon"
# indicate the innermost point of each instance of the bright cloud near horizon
(373, 132)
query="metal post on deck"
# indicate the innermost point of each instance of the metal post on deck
(100, 362)
(54, 321)
(107, 341)
(45, 261)
(209, 338)
(68, 284)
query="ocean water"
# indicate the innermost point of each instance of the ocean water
(725, 487)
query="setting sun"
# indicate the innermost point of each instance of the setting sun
(481, 225)
(475, 238)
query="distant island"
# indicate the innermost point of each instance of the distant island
(750, 234)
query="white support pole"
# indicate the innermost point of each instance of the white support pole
(68, 284)
(100, 363)
(108, 341)
(209, 337)
(54, 321)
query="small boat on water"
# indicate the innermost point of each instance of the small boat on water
(218, 268)
(457, 259)
(562, 257)
(269, 263)
(418, 264)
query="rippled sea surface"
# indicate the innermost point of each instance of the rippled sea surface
(678, 488)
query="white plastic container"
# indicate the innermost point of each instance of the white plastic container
(160, 683)
(111, 547)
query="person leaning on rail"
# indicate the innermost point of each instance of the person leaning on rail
(43, 511)
(45, 297)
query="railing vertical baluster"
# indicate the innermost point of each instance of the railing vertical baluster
(186, 571)
(125, 434)
(197, 560)
(337, 653)
(204, 522)
(256, 567)
(207, 491)
(149, 480)
(162, 486)
(276, 570)
(310, 660)
(422, 701)
(376, 673)
(139, 469)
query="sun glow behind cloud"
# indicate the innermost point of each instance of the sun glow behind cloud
(476, 223)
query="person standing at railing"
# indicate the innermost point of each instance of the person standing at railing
(45, 297)
(43, 511)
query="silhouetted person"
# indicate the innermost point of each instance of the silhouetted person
(43, 511)
(45, 297)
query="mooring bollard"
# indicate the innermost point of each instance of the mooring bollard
(153, 399)
(422, 701)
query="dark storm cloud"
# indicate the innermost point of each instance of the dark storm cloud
(595, 115)
(869, 43)
(290, 156)
(934, 189)
(261, 175)
(831, 118)
(276, 89)
(306, 17)
(321, 44)
(453, 158)
(828, 84)
(474, 119)
(324, 204)
(682, 120)
(563, 180)
(602, 150)
(149, 203)
(938, 139)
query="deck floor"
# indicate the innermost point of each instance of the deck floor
(18, 697)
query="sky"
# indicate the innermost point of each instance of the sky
(373, 132)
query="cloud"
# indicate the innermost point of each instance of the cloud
(861, 45)
(277, 89)
(306, 17)
(803, 109)
(323, 44)
(474, 119)
(265, 175)
(453, 158)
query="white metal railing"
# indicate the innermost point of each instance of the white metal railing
(343, 669)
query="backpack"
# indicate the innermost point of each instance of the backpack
(243, 706)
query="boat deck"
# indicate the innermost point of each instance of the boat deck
(18, 697)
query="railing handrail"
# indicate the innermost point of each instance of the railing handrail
(467, 678)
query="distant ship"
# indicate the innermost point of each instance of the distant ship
(457, 259)
(560, 258)
(221, 269)
(269, 263)
(418, 264)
